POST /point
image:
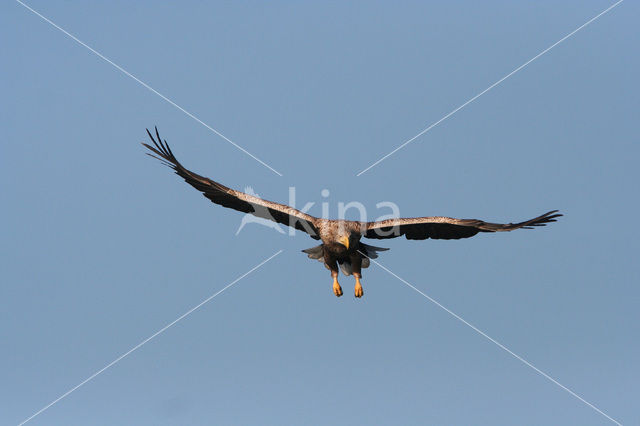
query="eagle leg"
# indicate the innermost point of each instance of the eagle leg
(332, 265)
(337, 290)
(358, 288)
(356, 266)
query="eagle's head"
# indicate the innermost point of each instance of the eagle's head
(348, 239)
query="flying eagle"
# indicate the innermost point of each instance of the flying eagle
(341, 243)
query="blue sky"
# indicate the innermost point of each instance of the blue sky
(102, 247)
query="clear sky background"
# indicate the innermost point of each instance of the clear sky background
(102, 246)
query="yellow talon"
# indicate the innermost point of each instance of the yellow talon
(358, 289)
(337, 290)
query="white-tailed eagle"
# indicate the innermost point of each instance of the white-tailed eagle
(341, 243)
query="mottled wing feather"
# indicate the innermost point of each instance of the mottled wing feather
(231, 198)
(446, 228)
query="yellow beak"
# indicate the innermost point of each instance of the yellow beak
(344, 241)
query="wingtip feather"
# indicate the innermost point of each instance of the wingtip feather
(162, 150)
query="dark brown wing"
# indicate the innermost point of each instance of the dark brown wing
(446, 228)
(231, 198)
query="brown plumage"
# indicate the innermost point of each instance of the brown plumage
(341, 243)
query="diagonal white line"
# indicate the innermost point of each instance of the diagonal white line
(407, 142)
(128, 74)
(136, 347)
(500, 345)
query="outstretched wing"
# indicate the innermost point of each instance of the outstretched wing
(446, 228)
(231, 198)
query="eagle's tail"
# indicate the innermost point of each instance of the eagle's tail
(367, 252)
